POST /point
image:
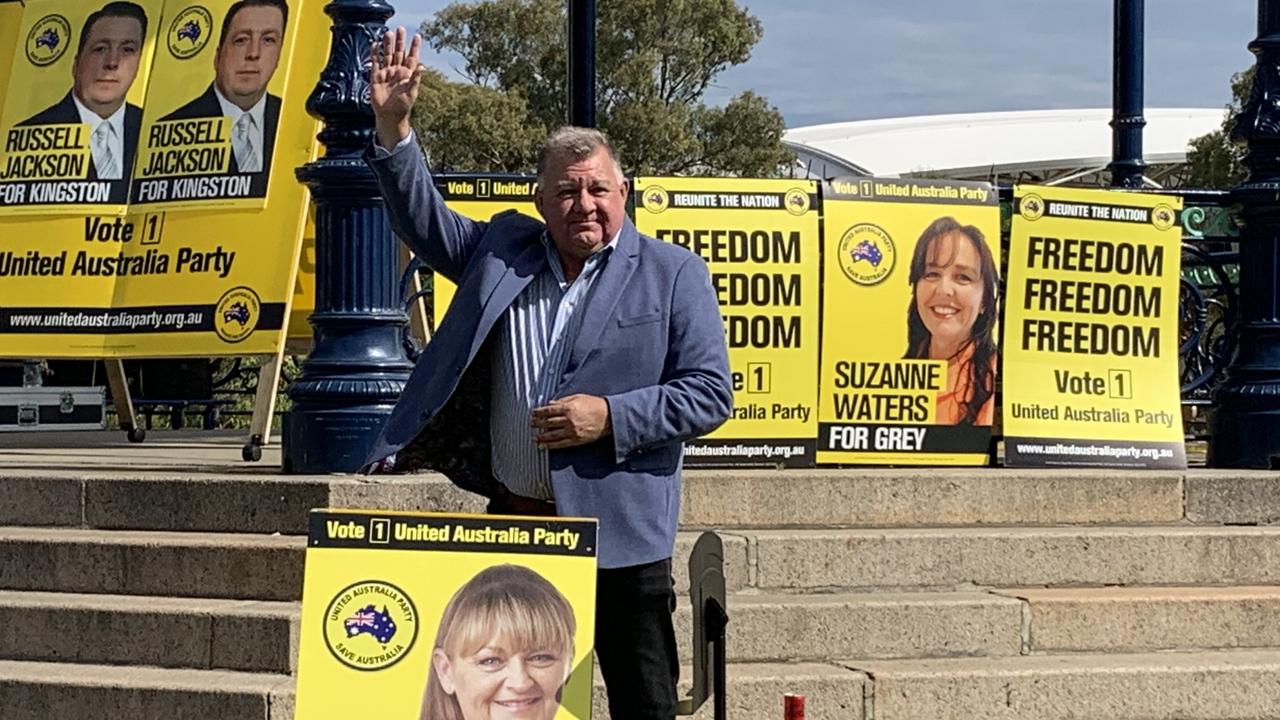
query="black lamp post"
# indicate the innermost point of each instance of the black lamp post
(1127, 121)
(358, 367)
(582, 63)
(1245, 425)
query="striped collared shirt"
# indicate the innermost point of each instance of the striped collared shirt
(535, 337)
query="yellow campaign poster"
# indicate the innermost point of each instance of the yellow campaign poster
(304, 286)
(1091, 330)
(10, 19)
(909, 325)
(161, 284)
(760, 239)
(211, 129)
(74, 104)
(433, 616)
(479, 197)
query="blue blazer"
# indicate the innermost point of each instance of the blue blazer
(651, 343)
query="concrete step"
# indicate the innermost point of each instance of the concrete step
(928, 497)
(205, 565)
(256, 503)
(783, 628)
(949, 558)
(1239, 685)
(269, 567)
(260, 636)
(41, 690)
(1137, 619)
(259, 502)
(1237, 497)
(197, 633)
(133, 562)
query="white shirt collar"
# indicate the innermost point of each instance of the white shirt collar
(115, 142)
(93, 120)
(588, 268)
(233, 111)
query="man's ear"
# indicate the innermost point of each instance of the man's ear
(444, 670)
(537, 203)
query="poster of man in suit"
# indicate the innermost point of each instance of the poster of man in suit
(75, 151)
(215, 150)
(144, 282)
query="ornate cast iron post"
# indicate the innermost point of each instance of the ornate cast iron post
(358, 367)
(1245, 425)
(1127, 121)
(582, 63)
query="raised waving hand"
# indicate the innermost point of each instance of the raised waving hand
(394, 85)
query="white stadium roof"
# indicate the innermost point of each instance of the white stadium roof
(1044, 145)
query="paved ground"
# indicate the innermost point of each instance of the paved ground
(194, 452)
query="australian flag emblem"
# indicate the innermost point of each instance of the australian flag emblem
(373, 622)
(867, 250)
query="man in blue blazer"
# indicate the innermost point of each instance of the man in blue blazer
(577, 357)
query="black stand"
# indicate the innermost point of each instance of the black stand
(710, 617)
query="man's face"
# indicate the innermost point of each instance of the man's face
(247, 58)
(104, 69)
(583, 203)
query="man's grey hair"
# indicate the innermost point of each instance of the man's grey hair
(573, 144)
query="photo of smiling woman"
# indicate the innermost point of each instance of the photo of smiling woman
(952, 317)
(504, 649)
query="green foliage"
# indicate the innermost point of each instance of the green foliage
(1214, 160)
(655, 61)
(508, 45)
(472, 127)
(743, 134)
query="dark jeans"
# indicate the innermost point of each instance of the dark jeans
(636, 642)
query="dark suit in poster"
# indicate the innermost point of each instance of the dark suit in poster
(207, 105)
(64, 112)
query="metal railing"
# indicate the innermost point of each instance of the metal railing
(1208, 301)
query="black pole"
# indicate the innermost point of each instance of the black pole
(1245, 425)
(582, 63)
(357, 367)
(720, 694)
(1127, 121)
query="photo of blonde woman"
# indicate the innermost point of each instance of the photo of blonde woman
(503, 651)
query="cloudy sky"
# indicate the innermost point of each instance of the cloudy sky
(832, 60)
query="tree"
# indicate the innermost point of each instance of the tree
(655, 60)
(1214, 161)
(472, 127)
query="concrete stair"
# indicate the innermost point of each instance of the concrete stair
(1139, 619)
(199, 633)
(167, 592)
(44, 690)
(1148, 686)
